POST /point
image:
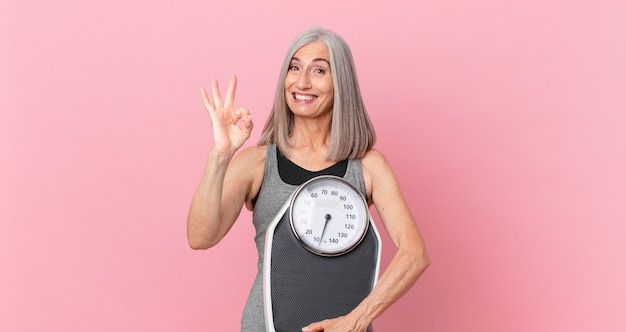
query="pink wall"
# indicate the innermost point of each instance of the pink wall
(505, 121)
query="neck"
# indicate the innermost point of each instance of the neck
(310, 134)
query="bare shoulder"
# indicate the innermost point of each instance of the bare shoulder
(251, 155)
(249, 162)
(375, 165)
(374, 159)
(375, 168)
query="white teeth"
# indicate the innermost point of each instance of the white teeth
(303, 97)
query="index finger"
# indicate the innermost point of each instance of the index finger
(207, 102)
(217, 99)
(230, 93)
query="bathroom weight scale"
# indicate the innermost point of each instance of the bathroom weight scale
(322, 255)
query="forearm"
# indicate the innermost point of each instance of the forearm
(404, 270)
(204, 229)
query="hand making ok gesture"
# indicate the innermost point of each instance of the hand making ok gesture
(228, 136)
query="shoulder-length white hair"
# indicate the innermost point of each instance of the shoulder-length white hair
(352, 133)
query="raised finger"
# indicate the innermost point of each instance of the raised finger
(229, 98)
(217, 99)
(207, 102)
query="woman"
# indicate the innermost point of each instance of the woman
(318, 125)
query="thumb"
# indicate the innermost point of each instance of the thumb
(312, 328)
(246, 118)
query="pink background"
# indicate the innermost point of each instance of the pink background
(504, 120)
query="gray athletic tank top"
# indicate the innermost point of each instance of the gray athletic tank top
(272, 196)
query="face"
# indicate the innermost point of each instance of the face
(309, 83)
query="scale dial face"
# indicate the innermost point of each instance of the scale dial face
(328, 215)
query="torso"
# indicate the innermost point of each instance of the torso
(275, 187)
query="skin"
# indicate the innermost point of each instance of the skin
(231, 182)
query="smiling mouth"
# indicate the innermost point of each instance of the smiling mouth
(304, 97)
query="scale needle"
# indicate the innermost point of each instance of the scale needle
(327, 217)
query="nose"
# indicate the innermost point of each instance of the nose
(304, 81)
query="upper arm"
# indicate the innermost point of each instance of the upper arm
(222, 192)
(383, 190)
(243, 179)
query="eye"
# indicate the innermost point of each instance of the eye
(294, 68)
(320, 71)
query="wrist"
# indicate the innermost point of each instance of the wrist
(220, 155)
(366, 312)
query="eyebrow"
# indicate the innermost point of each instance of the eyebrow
(314, 60)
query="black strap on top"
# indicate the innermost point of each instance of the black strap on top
(293, 174)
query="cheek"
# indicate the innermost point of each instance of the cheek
(289, 80)
(287, 86)
(329, 89)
